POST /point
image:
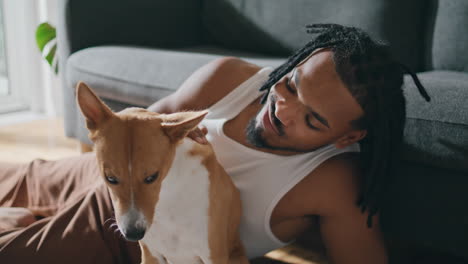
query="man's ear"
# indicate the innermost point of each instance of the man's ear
(350, 138)
(94, 110)
(178, 125)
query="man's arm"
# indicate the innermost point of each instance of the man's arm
(207, 85)
(343, 227)
(348, 239)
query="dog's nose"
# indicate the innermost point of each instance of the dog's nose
(134, 234)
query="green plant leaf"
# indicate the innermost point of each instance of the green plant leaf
(46, 41)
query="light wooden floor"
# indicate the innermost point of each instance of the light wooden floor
(45, 139)
(37, 139)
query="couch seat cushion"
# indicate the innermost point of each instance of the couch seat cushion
(436, 132)
(141, 76)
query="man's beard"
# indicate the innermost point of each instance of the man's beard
(254, 135)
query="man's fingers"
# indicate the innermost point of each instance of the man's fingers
(199, 135)
(201, 140)
(204, 130)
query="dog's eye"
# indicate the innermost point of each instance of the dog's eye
(151, 178)
(112, 180)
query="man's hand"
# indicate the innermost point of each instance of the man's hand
(198, 134)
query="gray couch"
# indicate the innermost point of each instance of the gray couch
(134, 52)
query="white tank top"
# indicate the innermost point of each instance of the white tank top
(262, 178)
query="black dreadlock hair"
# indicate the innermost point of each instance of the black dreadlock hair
(375, 80)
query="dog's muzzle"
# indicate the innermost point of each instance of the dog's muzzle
(134, 234)
(133, 225)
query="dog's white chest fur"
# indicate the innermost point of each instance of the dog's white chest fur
(180, 227)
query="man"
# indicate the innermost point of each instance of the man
(291, 148)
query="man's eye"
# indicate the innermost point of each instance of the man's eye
(112, 180)
(289, 87)
(151, 178)
(309, 123)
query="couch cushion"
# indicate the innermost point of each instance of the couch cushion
(141, 76)
(278, 27)
(450, 43)
(436, 132)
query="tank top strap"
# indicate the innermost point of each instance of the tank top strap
(233, 103)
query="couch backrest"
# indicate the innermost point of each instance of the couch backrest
(174, 23)
(450, 36)
(278, 27)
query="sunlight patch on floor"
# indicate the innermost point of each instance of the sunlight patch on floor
(44, 139)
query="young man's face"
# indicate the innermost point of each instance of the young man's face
(308, 108)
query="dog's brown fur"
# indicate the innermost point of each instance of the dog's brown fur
(134, 144)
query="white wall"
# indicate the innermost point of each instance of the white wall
(35, 87)
(22, 56)
(53, 105)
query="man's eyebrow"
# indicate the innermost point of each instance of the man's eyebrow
(320, 118)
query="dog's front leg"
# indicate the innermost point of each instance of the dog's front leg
(238, 255)
(148, 258)
(240, 259)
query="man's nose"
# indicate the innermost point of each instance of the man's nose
(286, 111)
(286, 107)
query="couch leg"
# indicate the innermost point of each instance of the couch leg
(85, 147)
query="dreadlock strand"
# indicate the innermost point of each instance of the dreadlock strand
(420, 87)
(381, 143)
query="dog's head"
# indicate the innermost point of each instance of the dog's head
(135, 149)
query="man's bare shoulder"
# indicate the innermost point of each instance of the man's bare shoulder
(332, 186)
(226, 74)
(207, 85)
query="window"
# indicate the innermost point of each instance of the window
(4, 88)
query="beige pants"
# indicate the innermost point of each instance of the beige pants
(75, 210)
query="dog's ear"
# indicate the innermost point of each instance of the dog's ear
(94, 110)
(178, 125)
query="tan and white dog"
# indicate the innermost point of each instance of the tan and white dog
(168, 191)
